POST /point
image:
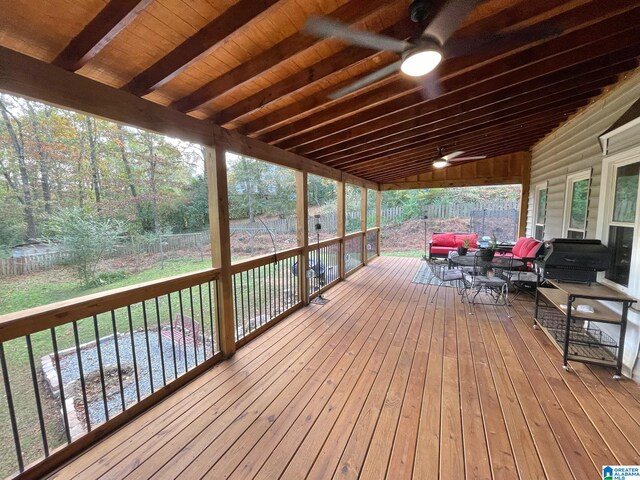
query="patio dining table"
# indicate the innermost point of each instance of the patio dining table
(499, 262)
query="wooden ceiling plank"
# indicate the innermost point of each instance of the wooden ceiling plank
(559, 91)
(515, 15)
(412, 118)
(504, 128)
(109, 22)
(425, 156)
(349, 13)
(417, 167)
(468, 142)
(196, 46)
(348, 57)
(570, 49)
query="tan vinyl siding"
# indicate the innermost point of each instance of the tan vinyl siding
(575, 147)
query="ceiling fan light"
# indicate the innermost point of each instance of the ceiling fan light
(440, 164)
(421, 61)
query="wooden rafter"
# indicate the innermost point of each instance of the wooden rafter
(112, 19)
(197, 46)
(570, 49)
(351, 12)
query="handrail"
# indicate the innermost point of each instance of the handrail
(32, 320)
(264, 259)
(324, 243)
(354, 235)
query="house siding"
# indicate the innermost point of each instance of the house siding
(575, 147)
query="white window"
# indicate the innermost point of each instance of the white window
(620, 227)
(540, 210)
(576, 204)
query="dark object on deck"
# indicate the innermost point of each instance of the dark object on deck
(574, 260)
(317, 267)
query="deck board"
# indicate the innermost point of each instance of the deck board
(384, 382)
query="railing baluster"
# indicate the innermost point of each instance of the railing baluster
(202, 328)
(119, 363)
(193, 328)
(235, 308)
(65, 417)
(101, 367)
(253, 291)
(133, 353)
(83, 385)
(173, 339)
(12, 413)
(146, 338)
(36, 391)
(184, 335)
(213, 289)
(260, 294)
(248, 318)
(160, 343)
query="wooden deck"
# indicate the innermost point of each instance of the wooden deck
(382, 383)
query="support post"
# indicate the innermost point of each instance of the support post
(341, 226)
(363, 223)
(524, 197)
(220, 244)
(302, 229)
(379, 217)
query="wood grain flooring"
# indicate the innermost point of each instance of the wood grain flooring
(383, 383)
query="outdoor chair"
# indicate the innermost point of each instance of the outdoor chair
(478, 280)
(446, 275)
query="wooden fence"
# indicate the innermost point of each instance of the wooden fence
(165, 243)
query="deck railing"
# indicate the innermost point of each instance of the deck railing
(372, 243)
(353, 246)
(265, 289)
(77, 369)
(324, 261)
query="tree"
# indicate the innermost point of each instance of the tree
(87, 240)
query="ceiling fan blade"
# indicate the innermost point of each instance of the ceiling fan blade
(449, 18)
(431, 85)
(452, 155)
(367, 80)
(324, 27)
(463, 159)
(501, 41)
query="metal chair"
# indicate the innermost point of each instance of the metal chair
(478, 280)
(446, 275)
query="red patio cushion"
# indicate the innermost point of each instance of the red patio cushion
(443, 240)
(473, 240)
(525, 247)
(441, 250)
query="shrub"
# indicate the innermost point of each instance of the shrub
(86, 238)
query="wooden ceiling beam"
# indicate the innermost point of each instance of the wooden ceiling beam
(503, 128)
(465, 100)
(567, 88)
(196, 46)
(569, 49)
(112, 19)
(320, 71)
(413, 118)
(487, 148)
(350, 13)
(427, 154)
(408, 172)
(451, 127)
(519, 15)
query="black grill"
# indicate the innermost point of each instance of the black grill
(574, 260)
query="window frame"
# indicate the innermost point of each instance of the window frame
(610, 164)
(568, 202)
(540, 187)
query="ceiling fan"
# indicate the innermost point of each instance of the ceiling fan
(446, 160)
(423, 53)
